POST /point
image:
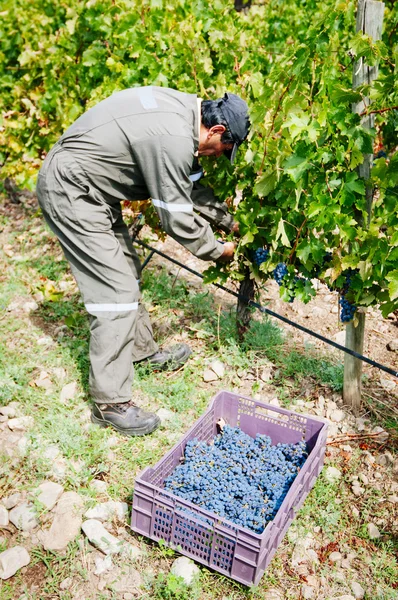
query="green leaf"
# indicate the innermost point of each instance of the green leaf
(365, 269)
(367, 299)
(392, 277)
(392, 173)
(387, 308)
(93, 55)
(394, 238)
(213, 274)
(355, 185)
(296, 123)
(257, 84)
(344, 95)
(296, 166)
(281, 233)
(266, 183)
(248, 238)
(303, 251)
(356, 159)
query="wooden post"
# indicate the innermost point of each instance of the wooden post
(369, 21)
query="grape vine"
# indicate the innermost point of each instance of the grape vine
(302, 198)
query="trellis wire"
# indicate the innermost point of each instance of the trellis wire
(268, 311)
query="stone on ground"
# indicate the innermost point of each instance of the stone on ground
(20, 423)
(8, 411)
(23, 444)
(303, 551)
(337, 416)
(58, 469)
(51, 452)
(66, 524)
(335, 556)
(130, 551)
(68, 392)
(23, 517)
(332, 474)
(43, 381)
(11, 501)
(107, 511)
(59, 373)
(49, 494)
(218, 367)
(357, 590)
(4, 520)
(307, 592)
(393, 345)
(266, 375)
(102, 565)
(101, 538)
(185, 567)
(66, 583)
(30, 306)
(382, 433)
(12, 560)
(99, 486)
(273, 594)
(209, 375)
(165, 415)
(127, 582)
(388, 384)
(373, 532)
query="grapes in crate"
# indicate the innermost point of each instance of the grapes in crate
(240, 478)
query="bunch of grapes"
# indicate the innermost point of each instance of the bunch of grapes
(279, 273)
(259, 255)
(347, 309)
(237, 477)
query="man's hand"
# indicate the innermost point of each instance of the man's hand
(228, 254)
(235, 227)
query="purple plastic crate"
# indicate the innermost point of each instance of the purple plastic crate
(219, 544)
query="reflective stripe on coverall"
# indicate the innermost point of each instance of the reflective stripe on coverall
(138, 143)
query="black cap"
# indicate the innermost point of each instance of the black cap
(235, 112)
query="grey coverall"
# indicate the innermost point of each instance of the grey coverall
(138, 143)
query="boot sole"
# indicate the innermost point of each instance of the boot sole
(130, 432)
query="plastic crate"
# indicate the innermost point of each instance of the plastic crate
(218, 543)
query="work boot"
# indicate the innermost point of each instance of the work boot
(169, 359)
(126, 417)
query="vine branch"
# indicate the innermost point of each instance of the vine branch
(380, 110)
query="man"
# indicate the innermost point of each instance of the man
(138, 143)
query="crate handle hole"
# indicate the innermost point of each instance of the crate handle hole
(268, 412)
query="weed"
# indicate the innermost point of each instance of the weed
(172, 587)
(46, 267)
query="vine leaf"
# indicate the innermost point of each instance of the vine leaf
(281, 233)
(266, 183)
(392, 277)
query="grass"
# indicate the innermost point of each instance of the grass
(178, 313)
